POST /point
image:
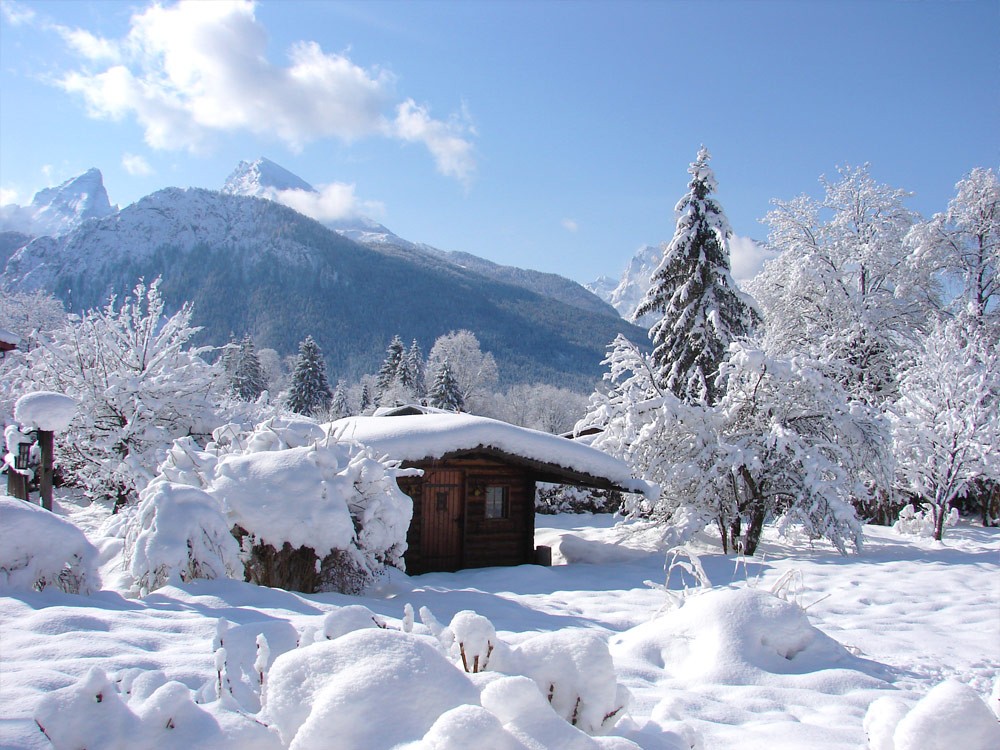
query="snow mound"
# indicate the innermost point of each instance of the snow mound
(340, 688)
(45, 410)
(40, 550)
(742, 637)
(951, 715)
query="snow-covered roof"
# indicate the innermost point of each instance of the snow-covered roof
(11, 339)
(418, 437)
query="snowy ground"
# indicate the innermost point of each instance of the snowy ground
(910, 613)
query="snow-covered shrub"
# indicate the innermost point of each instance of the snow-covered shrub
(574, 670)
(562, 498)
(922, 522)
(39, 550)
(475, 639)
(178, 530)
(152, 712)
(951, 715)
(310, 513)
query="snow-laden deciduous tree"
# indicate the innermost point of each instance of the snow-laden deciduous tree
(445, 392)
(310, 392)
(842, 290)
(139, 383)
(699, 307)
(247, 379)
(475, 371)
(785, 443)
(946, 431)
(963, 243)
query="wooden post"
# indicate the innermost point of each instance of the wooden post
(45, 443)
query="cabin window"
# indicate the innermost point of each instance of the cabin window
(497, 502)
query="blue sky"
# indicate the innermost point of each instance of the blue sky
(548, 135)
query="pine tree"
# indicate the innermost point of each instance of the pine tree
(310, 392)
(366, 399)
(388, 373)
(247, 380)
(701, 310)
(412, 372)
(340, 408)
(445, 393)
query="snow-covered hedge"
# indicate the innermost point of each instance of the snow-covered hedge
(311, 513)
(39, 550)
(563, 498)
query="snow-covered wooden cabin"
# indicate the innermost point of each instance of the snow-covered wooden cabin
(8, 342)
(474, 506)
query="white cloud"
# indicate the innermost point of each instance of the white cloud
(329, 203)
(194, 69)
(747, 257)
(446, 141)
(136, 165)
(9, 196)
(16, 13)
(570, 225)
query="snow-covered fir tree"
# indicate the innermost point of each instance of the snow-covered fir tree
(247, 380)
(388, 373)
(412, 372)
(445, 393)
(310, 392)
(366, 401)
(699, 307)
(339, 407)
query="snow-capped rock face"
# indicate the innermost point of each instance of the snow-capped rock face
(262, 178)
(631, 288)
(57, 210)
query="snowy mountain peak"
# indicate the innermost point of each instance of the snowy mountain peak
(262, 178)
(631, 288)
(57, 210)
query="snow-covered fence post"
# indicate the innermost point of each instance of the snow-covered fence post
(45, 412)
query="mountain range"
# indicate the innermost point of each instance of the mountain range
(252, 265)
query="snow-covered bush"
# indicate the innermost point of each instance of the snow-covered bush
(152, 712)
(921, 522)
(39, 550)
(574, 670)
(951, 715)
(179, 530)
(311, 513)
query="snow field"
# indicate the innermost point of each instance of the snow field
(735, 665)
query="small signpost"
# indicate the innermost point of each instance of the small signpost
(41, 414)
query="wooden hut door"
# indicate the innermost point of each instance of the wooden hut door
(441, 519)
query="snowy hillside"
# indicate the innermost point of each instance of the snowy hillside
(57, 210)
(254, 266)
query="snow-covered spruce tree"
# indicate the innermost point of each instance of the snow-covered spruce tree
(701, 310)
(339, 407)
(310, 392)
(946, 427)
(412, 372)
(388, 377)
(139, 383)
(247, 380)
(842, 291)
(445, 392)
